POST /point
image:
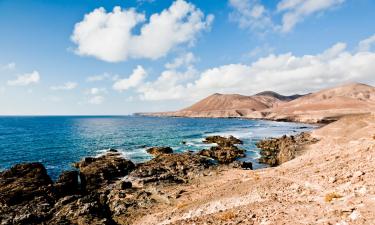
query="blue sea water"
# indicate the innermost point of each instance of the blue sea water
(58, 141)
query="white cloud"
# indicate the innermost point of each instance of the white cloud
(109, 36)
(104, 76)
(9, 66)
(170, 84)
(65, 87)
(365, 45)
(183, 60)
(251, 14)
(284, 73)
(96, 100)
(296, 10)
(26, 79)
(134, 80)
(95, 95)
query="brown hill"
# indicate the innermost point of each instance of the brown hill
(231, 102)
(328, 104)
(226, 105)
(323, 106)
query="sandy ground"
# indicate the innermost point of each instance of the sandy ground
(333, 182)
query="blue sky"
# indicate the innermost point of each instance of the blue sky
(163, 55)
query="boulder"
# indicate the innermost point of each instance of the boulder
(67, 184)
(159, 150)
(223, 154)
(222, 141)
(26, 195)
(276, 151)
(24, 182)
(96, 172)
(246, 165)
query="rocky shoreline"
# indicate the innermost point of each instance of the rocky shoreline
(332, 178)
(108, 189)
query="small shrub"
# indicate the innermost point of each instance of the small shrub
(330, 196)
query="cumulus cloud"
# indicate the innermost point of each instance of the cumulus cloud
(183, 60)
(65, 87)
(296, 10)
(134, 80)
(26, 79)
(170, 84)
(109, 36)
(284, 73)
(251, 14)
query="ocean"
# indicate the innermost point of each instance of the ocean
(58, 141)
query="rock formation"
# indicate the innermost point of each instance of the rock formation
(276, 151)
(96, 172)
(225, 152)
(159, 150)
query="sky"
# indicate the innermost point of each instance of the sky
(117, 57)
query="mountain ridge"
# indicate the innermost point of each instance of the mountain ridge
(325, 105)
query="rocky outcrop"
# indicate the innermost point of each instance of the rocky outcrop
(223, 154)
(171, 168)
(26, 194)
(222, 141)
(107, 189)
(159, 150)
(276, 151)
(226, 150)
(67, 184)
(96, 172)
(23, 182)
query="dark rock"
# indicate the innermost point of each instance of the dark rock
(67, 184)
(88, 209)
(223, 154)
(23, 182)
(125, 185)
(26, 195)
(96, 172)
(222, 141)
(276, 151)
(159, 150)
(226, 151)
(112, 150)
(175, 168)
(183, 142)
(242, 165)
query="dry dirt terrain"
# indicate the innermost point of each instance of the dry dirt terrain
(332, 182)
